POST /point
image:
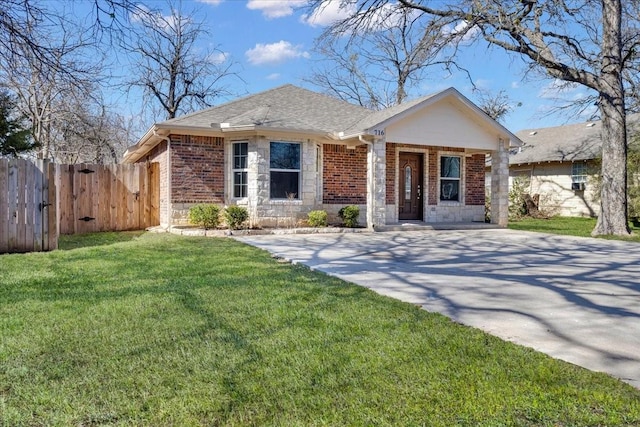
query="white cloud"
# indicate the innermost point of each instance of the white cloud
(462, 33)
(560, 89)
(515, 85)
(218, 57)
(274, 53)
(211, 2)
(273, 76)
(275, 8)
(328, 12)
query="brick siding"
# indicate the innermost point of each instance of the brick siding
(197, 164)
(390, 197)
(474, 180)
(344, 173)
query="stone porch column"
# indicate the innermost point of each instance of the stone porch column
(376, 186)
(500, 184)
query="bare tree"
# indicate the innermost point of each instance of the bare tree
(376, 65)
(172, 70)
(495, 105)
(590, 43)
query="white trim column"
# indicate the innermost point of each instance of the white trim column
(500, 184)
(376, 183)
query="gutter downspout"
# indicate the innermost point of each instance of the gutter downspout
(169, 177)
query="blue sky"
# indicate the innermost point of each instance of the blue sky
(272, 43)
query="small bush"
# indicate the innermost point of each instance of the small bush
(317, 218)
(205, 215)
(349, 215)
(236, 216)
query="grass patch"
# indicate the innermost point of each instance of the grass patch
(169, 330)
(569, 226)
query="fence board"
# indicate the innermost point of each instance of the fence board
(24, 225)
(4, 206)
(116, 196)
(52, 208)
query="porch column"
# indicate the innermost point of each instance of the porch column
(500, 184)
(376, 188)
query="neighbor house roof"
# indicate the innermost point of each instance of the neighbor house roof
(290, 108)
(575, 142)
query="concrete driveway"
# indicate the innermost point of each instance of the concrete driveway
(576, 299)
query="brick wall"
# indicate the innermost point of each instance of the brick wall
(474, 180)
(391, 173)
(197, 164)
(344, 175)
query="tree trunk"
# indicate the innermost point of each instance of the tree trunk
(613, 200)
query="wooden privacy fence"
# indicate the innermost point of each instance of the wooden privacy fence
(107, 197)
(27, 206)
(39, 201)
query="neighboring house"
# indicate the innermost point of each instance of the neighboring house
(287, 151)
(560, 164)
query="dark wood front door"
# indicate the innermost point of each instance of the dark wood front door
(411, 185)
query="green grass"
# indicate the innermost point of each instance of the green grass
(163, 330)
(570, 226)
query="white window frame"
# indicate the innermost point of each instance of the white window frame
(459, 179)
(244, 171)
(578, 177)
(298, 195)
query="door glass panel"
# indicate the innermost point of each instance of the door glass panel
(407, 182)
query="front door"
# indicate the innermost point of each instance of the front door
(411, 184)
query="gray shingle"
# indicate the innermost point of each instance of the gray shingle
(288, 107)
(573, 142)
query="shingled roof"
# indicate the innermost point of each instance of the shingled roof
(285, 107)
(575, 142)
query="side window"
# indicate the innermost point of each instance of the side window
(240, 150)
(284, 164)
(578, 172)
(450, 178)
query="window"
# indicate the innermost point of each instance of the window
(240, 150)
(284, 161)
(579, 172)
(450, 178)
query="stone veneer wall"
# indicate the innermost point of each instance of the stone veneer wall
(197, 175)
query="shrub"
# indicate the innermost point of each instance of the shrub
(317, 218)
(349, 215)
(236, 216)
(205, 215)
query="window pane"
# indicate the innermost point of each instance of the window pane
(239, 184)
(450, 167)
(285, 155)
(240, 150)
(284, 185)
(407, 183)
(449, 189)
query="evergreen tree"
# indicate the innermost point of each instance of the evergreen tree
(15, 135)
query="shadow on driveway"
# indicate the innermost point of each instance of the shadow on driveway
(576, 299)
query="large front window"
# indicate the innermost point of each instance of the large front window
(450, 178)
(284, 162)
(240, 151)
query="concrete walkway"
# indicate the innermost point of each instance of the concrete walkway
(576, 299)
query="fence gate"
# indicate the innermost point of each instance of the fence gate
(108, 197)
(27, 206)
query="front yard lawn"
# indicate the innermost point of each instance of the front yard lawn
(159, 330)
(571, 226)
